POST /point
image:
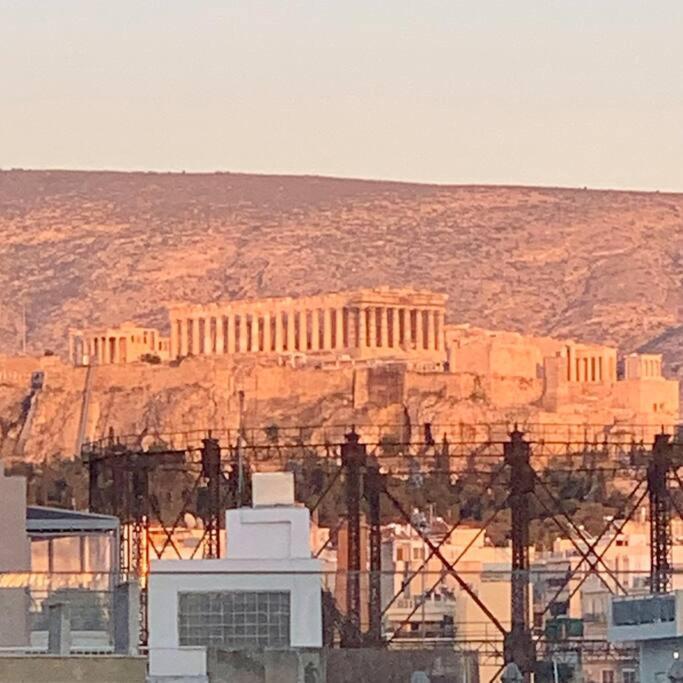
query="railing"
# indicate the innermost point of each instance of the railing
(27, 600)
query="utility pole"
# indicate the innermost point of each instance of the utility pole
(518, 647)
(353, 455)
(661, 568)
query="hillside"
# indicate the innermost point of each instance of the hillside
(98, 247)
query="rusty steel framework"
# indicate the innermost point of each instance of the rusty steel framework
(129, 477)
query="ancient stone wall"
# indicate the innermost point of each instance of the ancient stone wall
(220, 391)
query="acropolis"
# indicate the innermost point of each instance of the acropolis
(361, 325)
(400, 328)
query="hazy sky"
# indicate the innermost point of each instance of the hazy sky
(551, 92)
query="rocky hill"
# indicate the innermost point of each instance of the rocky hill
(97, 247)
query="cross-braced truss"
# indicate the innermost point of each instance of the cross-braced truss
(353, 478)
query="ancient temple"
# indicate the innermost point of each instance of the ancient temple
(358, 325)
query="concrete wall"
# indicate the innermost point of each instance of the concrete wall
(14, 556)
(340, 666)
(656, 658)
(651, 397)
(47, 669)
(269, 666)
(396, 666)
(14, 543)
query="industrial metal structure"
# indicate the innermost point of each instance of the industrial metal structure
(158, 479)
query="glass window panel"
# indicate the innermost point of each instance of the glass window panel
(234, 619)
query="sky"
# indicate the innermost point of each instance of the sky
(524, 92)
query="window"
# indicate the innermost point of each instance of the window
(607, 676)
(234, 619)
(399, 554)
(418, 553)
(649, 610)
(629, 676)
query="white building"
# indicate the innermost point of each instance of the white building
(266, 592)
(655, 624)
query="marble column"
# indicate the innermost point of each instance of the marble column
(255, 336)
(303, 330)
(103, 349)
(182, 337)
(220, 341)
(440, 331)
(267, 340)
(244, 339)
(407, 328)
(339, 328)
(195, 337)
(419, 334)
(174, 338)
(291, 331)
(372, 326)
(115, 350)
(327, 329)
(395, 328)
(208, 346)
(383, 327)
(231, 332)
(315, 329)
(431, 331)
(362, 328)
(279, 336)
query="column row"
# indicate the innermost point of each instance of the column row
(303, 330)
(100, 350)
(589, 368)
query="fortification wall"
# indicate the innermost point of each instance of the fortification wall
(218, 392)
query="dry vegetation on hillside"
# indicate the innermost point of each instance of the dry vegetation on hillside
(88, 248)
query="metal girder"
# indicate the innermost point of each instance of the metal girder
(353, 459)
(211, 470)
(661, 544)
(449, 566)
(519, 646)
(373, 487)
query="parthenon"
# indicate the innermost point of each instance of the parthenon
(361, 324)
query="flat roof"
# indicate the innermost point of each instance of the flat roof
(41, 519)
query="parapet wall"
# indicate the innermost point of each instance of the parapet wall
(73, 669)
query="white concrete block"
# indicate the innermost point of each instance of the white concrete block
(272, 488)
